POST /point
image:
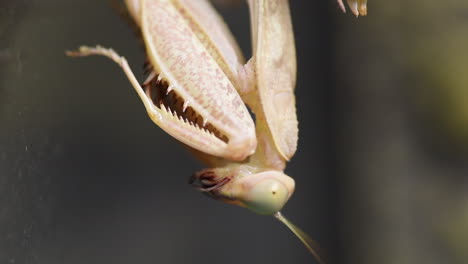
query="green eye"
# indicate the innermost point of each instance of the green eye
(267, 197)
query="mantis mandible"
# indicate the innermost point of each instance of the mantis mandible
(197, 89)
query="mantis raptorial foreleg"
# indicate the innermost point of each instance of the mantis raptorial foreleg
(122, 62)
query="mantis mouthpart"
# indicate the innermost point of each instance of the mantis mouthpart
(198, 87)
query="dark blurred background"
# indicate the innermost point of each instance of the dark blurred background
(381, 169)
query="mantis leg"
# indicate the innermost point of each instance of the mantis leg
(358, 7)
(122, 62)
(173, 123)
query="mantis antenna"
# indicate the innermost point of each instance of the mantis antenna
(310, 244)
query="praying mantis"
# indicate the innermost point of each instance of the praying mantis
(198, 89)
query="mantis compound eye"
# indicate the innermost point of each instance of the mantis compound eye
(267, 197)
(266, 193)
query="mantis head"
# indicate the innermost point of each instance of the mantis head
(264, 193)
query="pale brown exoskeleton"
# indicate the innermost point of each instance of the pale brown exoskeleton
(358, 7)
(197, 89)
